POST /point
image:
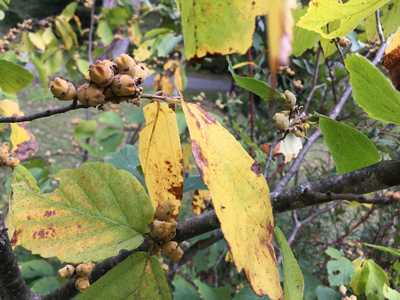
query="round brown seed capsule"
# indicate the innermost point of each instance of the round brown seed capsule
(172, 251)
(125, 64)
(84, 270)
(89, 94)
(82, 283)
(66, 271)
(62, 89)
(124, 85)
(101, 73)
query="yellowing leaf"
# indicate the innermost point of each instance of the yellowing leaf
(218, 26)
(160, 155)
(95, 212)
(22, 141)
(280, 26)
(240, 196)
(341, 17)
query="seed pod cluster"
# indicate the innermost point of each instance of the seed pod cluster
(82, 273)
(110, 81)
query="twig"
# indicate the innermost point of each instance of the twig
(11, 281)
(378, 23)
(314, 80)
(251, 107)
(75, 106)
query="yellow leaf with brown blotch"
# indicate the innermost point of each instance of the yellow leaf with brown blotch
(160, 155)
(96, 211)
(241, 200)
(22, 141)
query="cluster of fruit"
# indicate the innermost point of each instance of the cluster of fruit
(82, 273)
(292, 120)
(13, 33)
(109, 81)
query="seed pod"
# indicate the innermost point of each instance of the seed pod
(166, 211)
(125, 64)
(101, 73)
(62, 89)
(84, 270)
(124, 85)
(91, 95)
(172, 251)
(344, 42)
(82, 283)
(162, 230)
(290, 99)
(66, 271)
(281, 121)
(140, 72)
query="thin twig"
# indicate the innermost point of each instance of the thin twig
(379, 28)
(314, 80)
(75, 106)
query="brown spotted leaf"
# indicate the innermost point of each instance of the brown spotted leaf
(240, 196)
(96, 211)
(160, 155)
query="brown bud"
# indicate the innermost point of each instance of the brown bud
(172, 251)
(281, 121)
(162, 230)
(125, 64)
(344, 42)
(82, 283)
(290, 99)
(84, 270)
(140, 73)
(91, 95)
(62, 89)
(66, 271)
(101, 73)
(124, 85)
(167, 210)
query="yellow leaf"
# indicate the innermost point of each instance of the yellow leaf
(160, 155)
(96, 211)
(144, 50)
(280, 27)
(19, 134)
(341, 16)
(240, 196)
(218, 26)
(178, 79)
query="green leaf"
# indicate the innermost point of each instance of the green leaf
(393, 251)
(343, 17)
(350, 149)
(372, 90)
(325, 293)
(13, 77)
(340, 271)
(85, 129)
(183, 290)
(257, 87)
(69, 11)
(247, 293)
(45, 285)
(213, 293)
(293, 281)
(111, 119)
(166, 43)
(334, 253)
(139, 277)
(194, 182)
(303, 39)
(36, 268)
(104, 32)
(96, 211)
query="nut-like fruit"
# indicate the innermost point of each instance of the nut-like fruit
(84, 270)
(91, 95)
(124, 85)
(62, 89)
(172, 251)
(140, 72)
(125, 64)
(281, 121)
(101, 73)
(290, 99)
(66, 271)
(82, 283)
(162, 230)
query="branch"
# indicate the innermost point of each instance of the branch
(74, 106)
(11, 282)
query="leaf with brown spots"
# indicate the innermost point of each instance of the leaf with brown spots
(218, 26)
(241, 200)
(96, 211)
(139, 277)
(160, 155)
